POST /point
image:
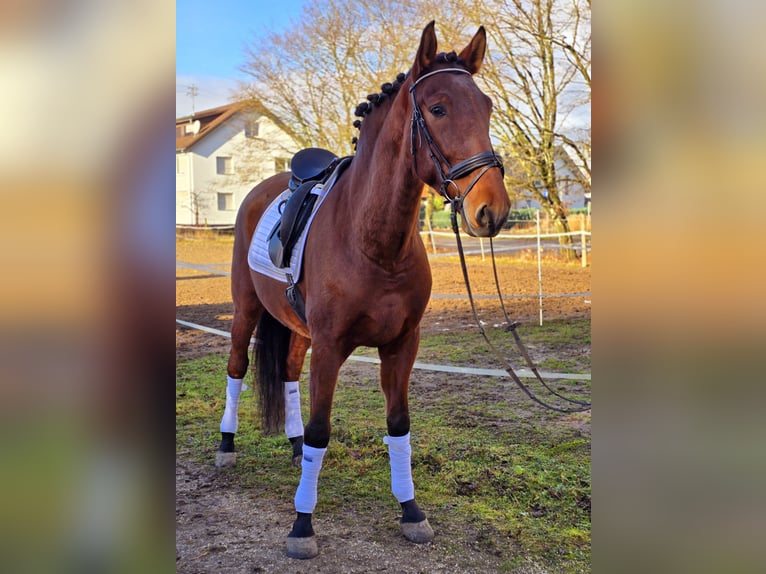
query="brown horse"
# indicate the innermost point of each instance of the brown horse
(366, 280)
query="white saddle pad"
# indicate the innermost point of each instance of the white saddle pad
(258, 255)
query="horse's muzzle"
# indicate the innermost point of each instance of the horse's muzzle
(486, 222)
(490, 220)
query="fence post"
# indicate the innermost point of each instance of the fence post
(583, 241)
(539, 267)
(431, 234)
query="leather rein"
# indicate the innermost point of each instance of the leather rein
(485, 160)
(511, 326)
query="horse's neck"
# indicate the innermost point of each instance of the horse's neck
(386, 199)
(386, 209)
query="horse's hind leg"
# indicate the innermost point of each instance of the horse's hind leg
(397, 359)
(246, 315)
(293, 420)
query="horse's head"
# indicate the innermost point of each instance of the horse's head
(450, 134)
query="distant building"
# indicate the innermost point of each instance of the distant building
(221, 154)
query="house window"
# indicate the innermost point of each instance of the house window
(223, 165)
(182, 162)
(252, 128)
(281, 164)
(225, 201)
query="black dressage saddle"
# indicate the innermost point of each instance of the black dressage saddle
(311, 164)
(309, 167)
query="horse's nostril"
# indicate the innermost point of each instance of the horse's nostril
(482, 215)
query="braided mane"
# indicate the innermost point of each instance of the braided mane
(388, 90)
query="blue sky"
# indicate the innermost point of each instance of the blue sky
(210, 38)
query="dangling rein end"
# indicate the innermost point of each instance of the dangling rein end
(582, 405)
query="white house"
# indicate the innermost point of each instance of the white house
(221, 154)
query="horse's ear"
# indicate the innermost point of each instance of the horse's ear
(426, 50)
(473, 53)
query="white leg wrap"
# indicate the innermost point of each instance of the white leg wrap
(230, 421)
(293, 420)
(306, 495)
(400, 454)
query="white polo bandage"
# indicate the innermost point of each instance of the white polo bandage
(230, 421)
(306, 495)
(293, 419)
(399, 454)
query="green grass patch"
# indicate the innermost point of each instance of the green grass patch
(559, 333)
(485, 470)
(566, 340)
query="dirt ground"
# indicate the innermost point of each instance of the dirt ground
(220, 527)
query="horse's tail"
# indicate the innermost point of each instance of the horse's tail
(272, 343)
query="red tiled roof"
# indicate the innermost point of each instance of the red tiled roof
(209, 120)
(212, 118)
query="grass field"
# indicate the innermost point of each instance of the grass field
(489, 467)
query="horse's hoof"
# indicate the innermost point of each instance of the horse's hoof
(417, 532)
(302, 548)
(225, 459)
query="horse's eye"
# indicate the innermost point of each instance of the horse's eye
(438, 110)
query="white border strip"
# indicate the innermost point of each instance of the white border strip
(522, 373)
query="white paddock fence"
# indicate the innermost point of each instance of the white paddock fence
(580, 239)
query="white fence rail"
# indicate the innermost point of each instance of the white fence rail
(429, 236)
(537, 235)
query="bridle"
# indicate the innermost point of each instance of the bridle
(485, 159)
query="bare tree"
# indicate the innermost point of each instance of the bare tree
(538, 73)
(313, 76)
(198, 201)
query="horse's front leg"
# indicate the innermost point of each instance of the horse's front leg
(397, 359)
(324, 367)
